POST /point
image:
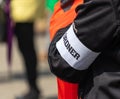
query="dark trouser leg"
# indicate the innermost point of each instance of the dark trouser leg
(24, 33)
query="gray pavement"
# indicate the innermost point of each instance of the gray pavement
(14, 84)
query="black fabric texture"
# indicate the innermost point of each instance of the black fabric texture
(96, 24)
(59, 66)
(66, 4)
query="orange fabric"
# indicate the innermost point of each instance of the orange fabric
(67, 90)
(61, 19)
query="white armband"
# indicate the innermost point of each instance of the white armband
(76, 54)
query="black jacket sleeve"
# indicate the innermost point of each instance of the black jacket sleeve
(75, 47)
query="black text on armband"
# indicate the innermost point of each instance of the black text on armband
(70, 48)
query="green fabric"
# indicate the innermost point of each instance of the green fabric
(50, 4)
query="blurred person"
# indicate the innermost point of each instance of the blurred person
(23, 14)
(85, 47)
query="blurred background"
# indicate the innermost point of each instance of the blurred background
(12, 74)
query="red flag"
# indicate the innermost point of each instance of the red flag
(67, 90)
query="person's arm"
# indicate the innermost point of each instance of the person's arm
(75, 47)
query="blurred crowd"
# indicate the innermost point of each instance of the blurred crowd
(24, 20)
